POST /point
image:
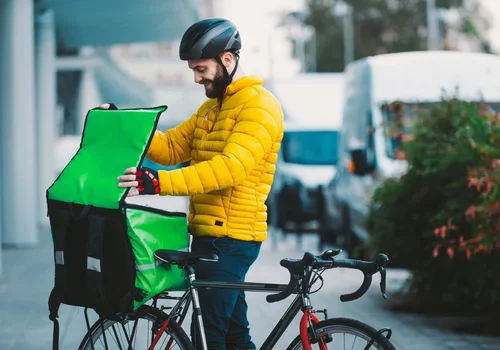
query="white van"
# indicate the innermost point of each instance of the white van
(415, 79)
(306, 164)
(312, 104)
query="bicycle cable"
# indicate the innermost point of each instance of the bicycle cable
(315, 278)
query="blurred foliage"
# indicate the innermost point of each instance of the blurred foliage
(380, 26)
(441, 219)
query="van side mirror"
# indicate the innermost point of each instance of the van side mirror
(359, 164)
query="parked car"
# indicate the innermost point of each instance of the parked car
(306, 164)
(367, 149)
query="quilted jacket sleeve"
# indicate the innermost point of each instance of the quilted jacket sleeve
(173, 146)
(257, 127)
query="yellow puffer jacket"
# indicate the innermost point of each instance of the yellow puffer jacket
(233, 157)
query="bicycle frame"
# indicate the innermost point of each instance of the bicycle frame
(301, 280)
(273, 337)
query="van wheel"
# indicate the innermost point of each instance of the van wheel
(272, 213)
(356, 248)
(345, 238)
(328, 236)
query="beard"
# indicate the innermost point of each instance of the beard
(217, 86)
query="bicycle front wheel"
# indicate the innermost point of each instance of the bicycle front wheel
(344, 333)
(136, 332)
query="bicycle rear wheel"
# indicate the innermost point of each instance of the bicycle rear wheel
(345, 333)
(136, 332)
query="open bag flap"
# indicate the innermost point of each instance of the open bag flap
(112, 141)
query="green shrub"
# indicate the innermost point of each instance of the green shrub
(441, 219)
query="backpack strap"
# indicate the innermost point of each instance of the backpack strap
(60, 219)
(93, 275)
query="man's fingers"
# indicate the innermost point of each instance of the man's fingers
(132, 170)
(104, 106)
(132, 193)
(130, 177)
(127, 178)
(128, 184)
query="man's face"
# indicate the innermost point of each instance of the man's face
(209, 74)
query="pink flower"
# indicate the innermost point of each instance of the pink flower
(435, 253)
(450, 252)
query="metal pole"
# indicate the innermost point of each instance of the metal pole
(45, 105)
(88, 96)
(312, 54)
(433, 40)
(348, 25)
(17, 123)
(4, 70)
(303, 53)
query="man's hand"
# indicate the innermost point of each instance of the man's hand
(109, 106)
(145, 181)
(129, 179)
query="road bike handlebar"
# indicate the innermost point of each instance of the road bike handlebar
(297, 268)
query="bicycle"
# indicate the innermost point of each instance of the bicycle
(304, 273)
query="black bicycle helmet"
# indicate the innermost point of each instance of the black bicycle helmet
(208, 39)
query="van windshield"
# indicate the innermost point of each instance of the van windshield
(399, 119)
(310, 147)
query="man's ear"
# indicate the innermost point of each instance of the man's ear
(227, 59)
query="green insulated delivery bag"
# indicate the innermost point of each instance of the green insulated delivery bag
(103, 245)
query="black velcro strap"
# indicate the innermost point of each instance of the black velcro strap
(93, 275)
(55, 335)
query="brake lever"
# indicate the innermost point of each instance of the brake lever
(382, 261)
(382, 282)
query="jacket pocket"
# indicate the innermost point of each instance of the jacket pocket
(226, 203)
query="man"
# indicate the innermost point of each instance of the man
(232, 142)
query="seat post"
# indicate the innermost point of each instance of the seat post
(196, 306)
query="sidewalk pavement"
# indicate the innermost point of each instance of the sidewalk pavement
(29, 275)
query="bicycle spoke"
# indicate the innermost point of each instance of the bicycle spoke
(131, 335)
(116, 334)
(118, 338)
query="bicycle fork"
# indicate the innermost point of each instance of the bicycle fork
(307, 322)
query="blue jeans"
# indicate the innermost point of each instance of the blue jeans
(225, 310)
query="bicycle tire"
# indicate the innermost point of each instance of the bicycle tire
(382, 343)
(144, 312)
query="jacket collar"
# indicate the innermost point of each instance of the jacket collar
(246, 81)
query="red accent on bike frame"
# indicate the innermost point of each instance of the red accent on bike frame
(158, 335)
(170, 341)
(304, 333)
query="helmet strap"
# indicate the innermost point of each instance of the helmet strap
(229, 77)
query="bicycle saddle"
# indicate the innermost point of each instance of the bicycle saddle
(177, 257)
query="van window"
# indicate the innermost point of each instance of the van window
(310, 147)
(399, 119)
